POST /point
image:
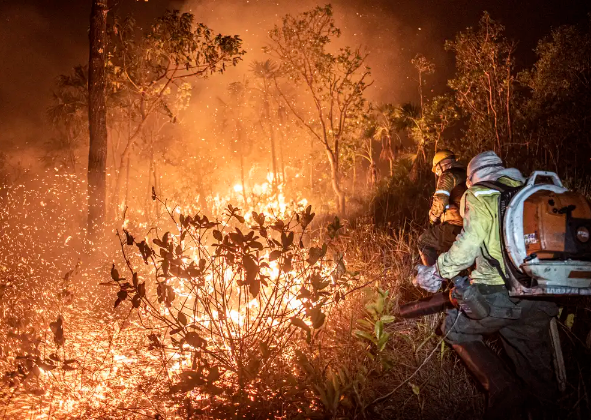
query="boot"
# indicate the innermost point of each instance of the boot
(505, 398)
(428, 256)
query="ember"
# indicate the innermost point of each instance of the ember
(198, 224)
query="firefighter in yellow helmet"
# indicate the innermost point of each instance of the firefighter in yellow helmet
(444, 215)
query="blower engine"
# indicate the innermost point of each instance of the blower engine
(546, 236)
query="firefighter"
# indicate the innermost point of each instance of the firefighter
(444, 215)
(523, 324)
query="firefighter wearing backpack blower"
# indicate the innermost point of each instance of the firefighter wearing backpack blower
(444, 215)
(523, 324)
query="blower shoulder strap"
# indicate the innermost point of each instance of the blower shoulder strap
(494, 185)
(502, 188)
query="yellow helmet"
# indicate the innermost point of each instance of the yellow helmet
(440, 156)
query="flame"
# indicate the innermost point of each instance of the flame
(112, 362)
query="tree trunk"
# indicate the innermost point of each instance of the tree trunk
(157, 188)
(272, 139)
(336, 183)
(274, 158)
(281, 159)
(242, 181)
(150, 186)
(311, 166)
(354, 173)
(97, 119)
(127, 169)
(416, 166)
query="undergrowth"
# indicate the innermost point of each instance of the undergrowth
(341, 352)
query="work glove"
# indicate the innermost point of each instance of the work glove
(428, 278)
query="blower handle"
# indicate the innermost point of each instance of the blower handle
(531, 181)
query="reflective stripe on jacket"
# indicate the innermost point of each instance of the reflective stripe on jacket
(443, 208)
(480, 237)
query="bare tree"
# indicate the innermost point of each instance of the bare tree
(149, 67)
(424, 67)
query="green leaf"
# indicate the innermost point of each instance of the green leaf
(368, 325)
(379, 329)
(386, 319)
(381, 344)
(365, 335)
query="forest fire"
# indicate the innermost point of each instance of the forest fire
(218, 304)
(229, 225)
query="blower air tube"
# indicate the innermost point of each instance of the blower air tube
(426, 306)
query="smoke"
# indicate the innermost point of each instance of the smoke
(40, 39)
(374, 26)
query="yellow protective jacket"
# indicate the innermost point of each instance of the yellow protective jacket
(446, 200)
(480, 237)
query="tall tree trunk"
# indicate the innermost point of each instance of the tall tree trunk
(127, 169)
(336, 183)
(311, 166)
(274, 158)
(416, 166)
(272, 139)
(354, 173)
(243, 182)
(97, 119)
(156, 186)
(282, 160)
(150, 188)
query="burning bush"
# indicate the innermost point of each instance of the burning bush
(226, 304)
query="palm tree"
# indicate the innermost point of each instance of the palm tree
(384, 130)
(408, 117)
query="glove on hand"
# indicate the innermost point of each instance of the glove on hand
(428, 278)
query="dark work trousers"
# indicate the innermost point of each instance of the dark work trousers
(436, 240)
(524, 327)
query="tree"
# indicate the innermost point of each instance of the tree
(333, 83)
(237, 122)
(68, 115)
(484, 85)
(556, 113)
(148, 68)
(424, 67)
(384, 131)
(425, 126)
(97, 118)
(265, 72)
